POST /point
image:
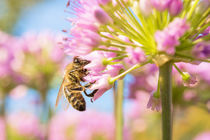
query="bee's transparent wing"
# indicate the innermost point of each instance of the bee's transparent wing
(65, 103)
(62, 98)
(60, 94)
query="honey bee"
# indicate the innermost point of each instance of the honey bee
(71, 87)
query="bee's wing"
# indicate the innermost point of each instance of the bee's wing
(65, 103)
(60, 96)
(60, 93)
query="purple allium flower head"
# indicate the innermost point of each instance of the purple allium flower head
(154, 102)
(202, 50)
(160, 5)
(175, 7)
(203, 136)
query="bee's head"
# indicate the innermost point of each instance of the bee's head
(80, 62)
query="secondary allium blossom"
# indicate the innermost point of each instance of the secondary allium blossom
(73, 125)
(42, 59)
(118, 39)
(10, 61)
(26, 124)
(203, 136)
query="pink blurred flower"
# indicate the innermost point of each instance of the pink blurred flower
(139, 107)
(101, 16)
(145, 7)
(60, 123)
(19, 91)
(189, 95)
(89, 128)
(203, 136)
(26, 124)
(73, 125)
(160, 5)
(103, 2)
(175, 7)
(202, 50)
(8, 55)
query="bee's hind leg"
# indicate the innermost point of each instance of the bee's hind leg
(78, 89)
(91, 94)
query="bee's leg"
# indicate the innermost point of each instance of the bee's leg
(74, 78)
(91, 94)
(77, 89)
(88, 85)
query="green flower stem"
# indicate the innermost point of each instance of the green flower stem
(2, 114)
(166, 100)
(184, 58)
(112, 80)
(119, 111)
(119, 41)
(178, 69)
(107, 44)
(2, 109)
(192, 9)
(107, 50)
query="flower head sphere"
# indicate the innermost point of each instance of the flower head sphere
(127, 34)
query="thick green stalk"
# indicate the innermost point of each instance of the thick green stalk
(166, 99)
(119, 111)
(3, 115)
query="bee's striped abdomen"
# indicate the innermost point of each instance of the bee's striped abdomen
(77, 101)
